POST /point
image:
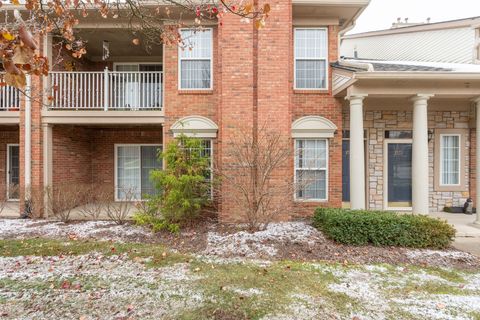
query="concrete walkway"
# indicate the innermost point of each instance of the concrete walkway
(468, 233)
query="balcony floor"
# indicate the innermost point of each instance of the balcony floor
(100, 117)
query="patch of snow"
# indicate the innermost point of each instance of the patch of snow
(234, 260)
(106, 286)
(100, 230)
(375, 268)
(178, 272)
(246, 292)
(303, 307)
(454, 255)
(261, 243)
(441, 306)
(360, 286)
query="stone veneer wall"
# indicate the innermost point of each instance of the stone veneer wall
(377, 122)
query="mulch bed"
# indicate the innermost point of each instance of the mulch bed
(194, 239)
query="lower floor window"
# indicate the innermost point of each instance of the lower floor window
(311, 165)
(134, 163)
(450, 159)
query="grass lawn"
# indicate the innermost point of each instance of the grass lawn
(48, 279)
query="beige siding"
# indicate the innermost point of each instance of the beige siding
(447, 45)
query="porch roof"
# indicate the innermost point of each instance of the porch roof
(379, 78)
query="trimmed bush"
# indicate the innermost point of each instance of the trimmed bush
(383, 228)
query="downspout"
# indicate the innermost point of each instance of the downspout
(353, 22)
(28, 139)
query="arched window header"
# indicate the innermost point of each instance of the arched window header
(195, 126)
(313, 127)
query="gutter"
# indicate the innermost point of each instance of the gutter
(350, 25)
(435, 75)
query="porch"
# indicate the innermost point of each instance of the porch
(412, 135)
(99, 168)
(9, 170)
(113, 80)
(10, 100)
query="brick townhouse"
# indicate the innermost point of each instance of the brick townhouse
(355, 125)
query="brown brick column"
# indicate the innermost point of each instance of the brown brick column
(237, 94)
(36, 174)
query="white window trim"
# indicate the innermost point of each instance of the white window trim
(459, 160)
(7, 181)
(116, 146)
(195, 127)
(327, 67)
(180, 63)
(295, 169)
(211, 164)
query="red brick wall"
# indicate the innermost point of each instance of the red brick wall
(324, 104)
(8, 135)
(72, 155)
(103, 149)
(244, 96)
(275, 58)
(237, 96)
(183, 103)
(86, 155)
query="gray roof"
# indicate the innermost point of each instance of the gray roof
(379, 66)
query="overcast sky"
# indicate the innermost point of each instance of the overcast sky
(380, 14)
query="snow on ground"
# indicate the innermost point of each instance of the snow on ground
(443, 254)
(44, 287)
(246, 292)
(34, 287)
(100, 230)
(376, 288)
(265, 242)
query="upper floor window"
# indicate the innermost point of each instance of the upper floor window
(195, 60)
(449, 159)
(311, 52)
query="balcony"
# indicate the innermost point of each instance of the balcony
(106, 90)
(117, 97)
(10, 98)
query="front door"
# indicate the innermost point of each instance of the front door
(399, 174)
(13, 171)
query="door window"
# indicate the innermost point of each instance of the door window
(399, 175)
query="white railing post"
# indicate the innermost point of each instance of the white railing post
(105, 89)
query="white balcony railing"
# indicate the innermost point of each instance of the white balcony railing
(106, 90)
(9, 97)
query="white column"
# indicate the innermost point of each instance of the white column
(477, 155)
(420, 199)
(47, 52)
(47, 165)
(357, 153)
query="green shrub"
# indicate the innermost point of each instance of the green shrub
(183, 187)
(383, 228)
(156, 223)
